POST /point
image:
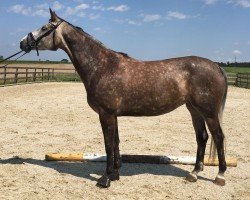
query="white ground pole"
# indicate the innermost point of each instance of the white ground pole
(153, 159)
(163, 159)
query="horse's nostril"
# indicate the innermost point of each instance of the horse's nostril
(21, 44)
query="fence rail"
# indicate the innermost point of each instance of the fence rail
(15, 75)
(231, 78)
(243, 80)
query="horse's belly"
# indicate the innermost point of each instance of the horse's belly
(146, 111)
(141, 96)
(150, 106)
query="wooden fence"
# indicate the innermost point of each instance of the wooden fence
(239, 79)
(243, 80)
(231, 78)
(15, 75)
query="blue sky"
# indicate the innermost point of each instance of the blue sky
(145, 29)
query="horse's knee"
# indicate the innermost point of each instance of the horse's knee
(205, 135)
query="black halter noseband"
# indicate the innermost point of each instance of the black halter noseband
(33, 43)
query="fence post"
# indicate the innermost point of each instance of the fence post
(248, 80)
(34, 75)
(42, 74)
(16, 76)
(5, 71)
(49, 74)
(237, 80)
(26, 75)
(53, 73)
(240, 79)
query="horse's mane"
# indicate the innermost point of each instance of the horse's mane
(100, 43)
(95, 40)
(123, 54)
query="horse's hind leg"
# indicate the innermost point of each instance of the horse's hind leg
(218, 136)
(201, 138)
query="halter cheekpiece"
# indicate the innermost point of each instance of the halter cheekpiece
(33, 42)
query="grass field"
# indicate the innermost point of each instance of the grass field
(66, 77)
(237, 69)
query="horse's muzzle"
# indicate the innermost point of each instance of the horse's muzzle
(28, 43)
(25, 47)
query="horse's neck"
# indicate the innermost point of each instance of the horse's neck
(87, 55)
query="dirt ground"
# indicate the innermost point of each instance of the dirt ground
(44, 118)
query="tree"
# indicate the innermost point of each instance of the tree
(64, 60)
(1, 57)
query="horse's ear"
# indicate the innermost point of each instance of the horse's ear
(53, 15)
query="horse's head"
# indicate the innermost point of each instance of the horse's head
(43, 38)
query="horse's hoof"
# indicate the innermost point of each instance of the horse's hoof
(103, 182)
(220, 180)
(114, 176)
(191, 177)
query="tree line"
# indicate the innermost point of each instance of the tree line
(234, 64)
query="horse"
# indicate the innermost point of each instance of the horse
(119, 85)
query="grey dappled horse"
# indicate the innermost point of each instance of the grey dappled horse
(119, 85)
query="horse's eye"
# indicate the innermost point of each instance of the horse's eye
(44, 28)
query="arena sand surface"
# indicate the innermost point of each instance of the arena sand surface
(44, 118)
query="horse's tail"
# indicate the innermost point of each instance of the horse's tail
(220, 116)
(225, 93)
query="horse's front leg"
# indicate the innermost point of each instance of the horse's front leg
(109, 123)
(117, 156)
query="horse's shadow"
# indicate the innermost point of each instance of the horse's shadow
(87, 169)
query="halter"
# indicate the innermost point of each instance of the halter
(33, 43)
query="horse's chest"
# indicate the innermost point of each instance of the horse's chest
(105, 96)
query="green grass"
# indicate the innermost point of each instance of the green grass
(237, 69)
(66, 77)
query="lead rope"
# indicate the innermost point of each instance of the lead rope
(12, 60)
(11, 56)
